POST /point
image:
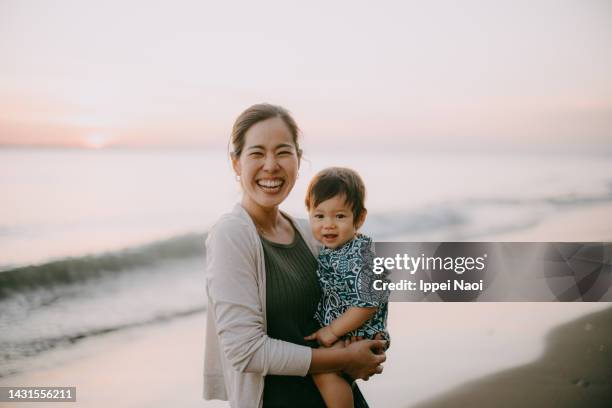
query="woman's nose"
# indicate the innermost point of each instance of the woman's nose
(270, 163)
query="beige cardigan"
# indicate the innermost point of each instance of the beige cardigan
(238, 352)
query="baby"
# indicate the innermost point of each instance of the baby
(349, 307)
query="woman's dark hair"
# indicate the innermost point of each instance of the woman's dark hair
(258, 113)
(334, 181)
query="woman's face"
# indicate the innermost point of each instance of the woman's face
(268, 164)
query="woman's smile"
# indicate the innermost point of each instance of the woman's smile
(270, 186)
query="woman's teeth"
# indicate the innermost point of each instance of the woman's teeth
(270, 185)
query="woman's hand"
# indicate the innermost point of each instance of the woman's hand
(353, 339)
(365, 359)
(324, 336)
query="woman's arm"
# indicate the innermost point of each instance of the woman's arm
(231, 264)
(359, 359)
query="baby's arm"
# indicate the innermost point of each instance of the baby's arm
(350, 320)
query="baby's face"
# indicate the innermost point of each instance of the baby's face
(332, 222)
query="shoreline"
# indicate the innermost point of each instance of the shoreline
(574, 371)
(155, 366)
(437, 347)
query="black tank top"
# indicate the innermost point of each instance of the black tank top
(292, 295)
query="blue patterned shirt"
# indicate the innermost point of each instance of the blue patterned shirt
(346, 279)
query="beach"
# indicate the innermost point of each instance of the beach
(155, 366)
(123, 320)
(133, 133)
(575, 370)
(545, 349)
(436, 347)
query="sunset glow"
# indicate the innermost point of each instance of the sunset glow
(97, 140)
(486, 74)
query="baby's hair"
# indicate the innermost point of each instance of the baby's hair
(337, 181)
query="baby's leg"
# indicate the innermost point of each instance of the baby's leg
(334, 389)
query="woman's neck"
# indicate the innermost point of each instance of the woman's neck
(266, 219)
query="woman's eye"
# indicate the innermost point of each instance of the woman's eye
(284, 153)
(256, 154)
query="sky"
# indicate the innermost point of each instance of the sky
(439, 74)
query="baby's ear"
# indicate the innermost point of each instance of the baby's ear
(361, 219)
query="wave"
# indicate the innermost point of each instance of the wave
(398, 222)
(78, 269)
(562, 200)
(474, 218)
(17, 351)
(72, 270)
(463, 215)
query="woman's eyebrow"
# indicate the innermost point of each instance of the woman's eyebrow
(280, 146)
(284, 145)
(256, 147)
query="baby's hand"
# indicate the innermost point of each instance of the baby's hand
(323, 336)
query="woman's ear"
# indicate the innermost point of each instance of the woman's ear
(361, 219)
(299, 155)
(236, 164)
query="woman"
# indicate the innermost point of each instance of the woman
(261, 282)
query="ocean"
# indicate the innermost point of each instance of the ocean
(96, 241)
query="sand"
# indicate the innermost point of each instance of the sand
(155, 366)
(574, 371)
(436, 346)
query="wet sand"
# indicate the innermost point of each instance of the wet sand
(436, 347)
(574, 371)
(155, 366)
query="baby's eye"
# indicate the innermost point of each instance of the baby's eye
(340, 216)
(318, 216)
